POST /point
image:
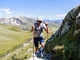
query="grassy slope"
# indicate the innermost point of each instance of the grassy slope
(65, 47)
(51, 31)
(11, 37)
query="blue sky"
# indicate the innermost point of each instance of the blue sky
(47, 9)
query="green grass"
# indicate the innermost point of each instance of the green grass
(11, 37)
(51, 31)
(65, 47)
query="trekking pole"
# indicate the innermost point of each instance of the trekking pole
(33, 42)
(47, 36)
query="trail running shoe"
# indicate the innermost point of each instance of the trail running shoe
(37, 53)
(41, 54)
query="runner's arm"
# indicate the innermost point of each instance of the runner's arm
(46, 28)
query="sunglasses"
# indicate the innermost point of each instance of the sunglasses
(40, 21)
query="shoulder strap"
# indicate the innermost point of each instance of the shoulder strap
(36, 25)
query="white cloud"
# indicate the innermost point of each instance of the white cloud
(54, 17)
(8, 11)
(50, 17)
(61, 16)
(5, 11)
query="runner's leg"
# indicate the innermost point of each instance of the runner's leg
(36, 43)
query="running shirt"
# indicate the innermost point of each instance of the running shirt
(38, 31)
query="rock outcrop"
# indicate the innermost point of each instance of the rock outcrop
(64, 44)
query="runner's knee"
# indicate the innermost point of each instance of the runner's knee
(43, 45)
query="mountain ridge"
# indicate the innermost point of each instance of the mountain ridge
(25, 23)
(18, 21)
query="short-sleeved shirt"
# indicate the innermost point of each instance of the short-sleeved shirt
(38, 32)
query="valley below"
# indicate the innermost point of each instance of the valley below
(16, 43)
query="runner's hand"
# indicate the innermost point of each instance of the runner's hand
(46, 23)
(32, 29)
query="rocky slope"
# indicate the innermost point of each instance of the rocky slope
(19, 21)
(64, 44)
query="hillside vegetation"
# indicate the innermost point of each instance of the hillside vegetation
(11, 37)
(64, 44)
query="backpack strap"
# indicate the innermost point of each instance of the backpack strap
(36, 26)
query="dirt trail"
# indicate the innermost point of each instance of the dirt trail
(35, 58)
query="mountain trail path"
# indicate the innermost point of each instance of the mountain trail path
(35, 58)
